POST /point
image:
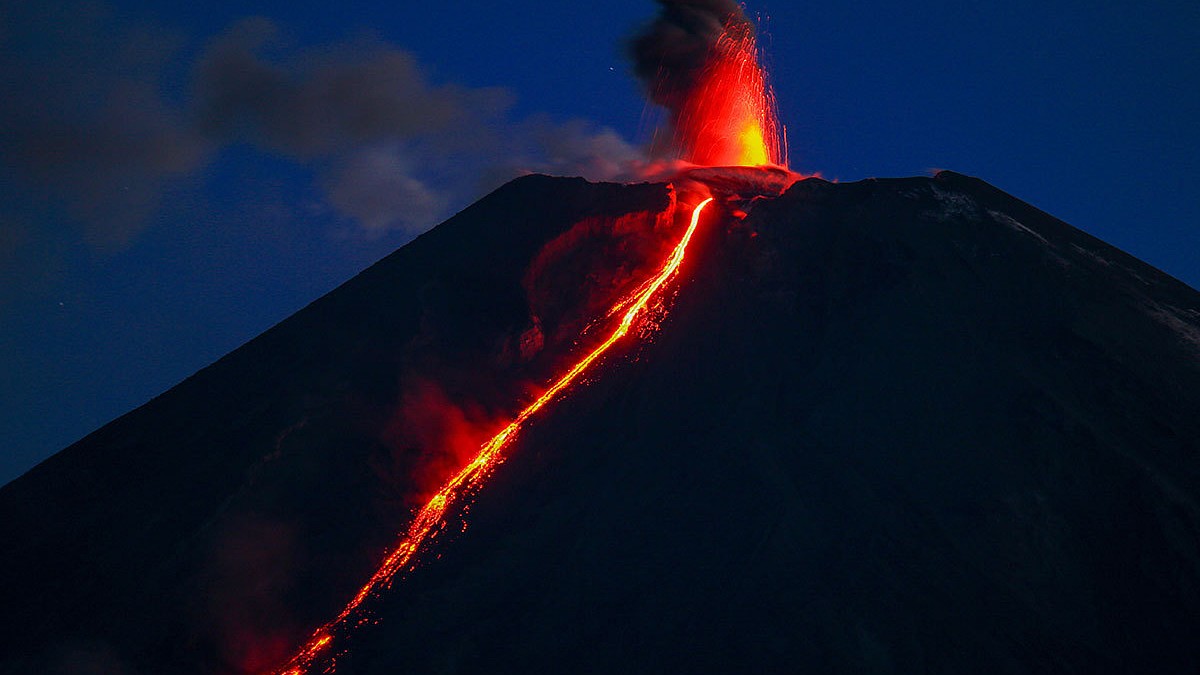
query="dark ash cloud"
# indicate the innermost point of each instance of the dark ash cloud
(669, 54)
(83, 121)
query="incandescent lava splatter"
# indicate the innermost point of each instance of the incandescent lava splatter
(699, 60)
(729, 118)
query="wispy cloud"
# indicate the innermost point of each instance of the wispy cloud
(88, 129)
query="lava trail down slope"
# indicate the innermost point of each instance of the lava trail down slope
(892, 426)
(898, 425)
(431, 518)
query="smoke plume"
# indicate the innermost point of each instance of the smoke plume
(393, 150)
(670, 54)
(83, 125)
(97, 131)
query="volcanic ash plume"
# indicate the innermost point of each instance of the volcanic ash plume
(699, 60)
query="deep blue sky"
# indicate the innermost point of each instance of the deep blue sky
(1086, 110)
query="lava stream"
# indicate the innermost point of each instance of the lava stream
(430, 520)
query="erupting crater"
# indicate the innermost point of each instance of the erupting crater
(725, 134)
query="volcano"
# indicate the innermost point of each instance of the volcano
(897, 425)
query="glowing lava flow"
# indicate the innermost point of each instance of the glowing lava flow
(429, 520)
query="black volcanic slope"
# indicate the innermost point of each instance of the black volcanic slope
(892, 426)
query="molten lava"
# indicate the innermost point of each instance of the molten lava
(431, 519)
(729, 118)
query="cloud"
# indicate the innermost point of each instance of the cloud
(378, 188)
(394, 151)
(82, 120)
(94, 130)
(578, 147)
(321, 105)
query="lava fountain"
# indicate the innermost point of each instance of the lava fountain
(699, 60)
(729, 119)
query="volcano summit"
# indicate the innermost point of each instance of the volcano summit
(888, 426)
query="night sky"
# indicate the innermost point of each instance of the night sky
(175, 178)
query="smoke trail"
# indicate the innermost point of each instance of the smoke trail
(84, 128)
(395, 151)
(669, 55)
(93, 135)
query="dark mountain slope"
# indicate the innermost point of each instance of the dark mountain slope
(891, 426)
(906, 425)
(209, 528)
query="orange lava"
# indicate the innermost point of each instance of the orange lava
(729, 118)
(430, 520)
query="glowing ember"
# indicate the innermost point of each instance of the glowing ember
(729, 117)
(430, 520)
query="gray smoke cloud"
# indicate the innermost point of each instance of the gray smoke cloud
(669, 54)
(319, 106)
(89, 130)
(393, 150)
(377, 186)
(82, 122)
